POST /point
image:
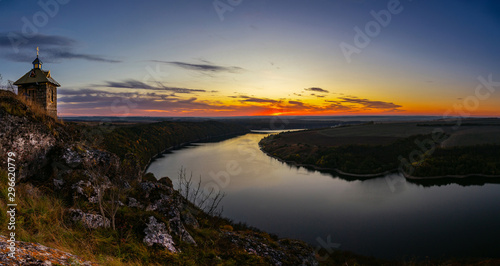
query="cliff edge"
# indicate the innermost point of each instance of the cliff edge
(86, 205)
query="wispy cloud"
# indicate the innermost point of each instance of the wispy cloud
(208, 67)
(154, 101)
(296, 103)
(316, 89)
(135, 84)
(7, 38)
(256, 100)
(67, 54)
(53, 48)
(85, 101)
(371, 104)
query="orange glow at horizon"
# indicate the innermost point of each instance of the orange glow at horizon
(281, 112)
(162, 113)
(297, 106)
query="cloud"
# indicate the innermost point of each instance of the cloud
(135, 84)
(338, 107)
(86, 101)
(66, 54)
(8, 38)
(154, 101)
(316, 89)
(209, 67)
(78, 91)
(296, 103)
(257, 100)
(370, 104)
(52, 48)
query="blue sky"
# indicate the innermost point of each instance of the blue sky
(185, 58)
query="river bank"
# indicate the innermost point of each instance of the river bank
(418, 157)
(326, 169)
(310, 205)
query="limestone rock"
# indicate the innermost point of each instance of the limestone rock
(189, 219)
(288, 252)
(178, 229)
(27, 253)
(89, 220)
(156, 233)
(134, 203)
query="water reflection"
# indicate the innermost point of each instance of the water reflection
(386, 216)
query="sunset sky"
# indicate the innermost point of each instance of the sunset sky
(260, 57)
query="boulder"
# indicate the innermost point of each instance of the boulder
(27, 253)
(156, 233)
(89, 220)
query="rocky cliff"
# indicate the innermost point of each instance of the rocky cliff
(82, 199)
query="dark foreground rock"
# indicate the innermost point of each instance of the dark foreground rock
(35, 254)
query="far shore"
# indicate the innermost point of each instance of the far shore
(374, 175)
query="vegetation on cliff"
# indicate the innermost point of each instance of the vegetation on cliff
(147, 140)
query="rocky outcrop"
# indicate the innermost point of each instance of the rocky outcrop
(287, 252)
(165, 201)
(156, 233)
(132, 202)
(89, 220)
(178, 229)
(27, 253)
(30, 141)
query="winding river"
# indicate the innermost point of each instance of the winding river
(385, 217)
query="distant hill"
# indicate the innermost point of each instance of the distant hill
(432, 149)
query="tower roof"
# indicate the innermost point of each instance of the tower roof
(36, 75)
(37, 61)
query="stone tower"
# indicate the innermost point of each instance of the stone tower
(39, 87)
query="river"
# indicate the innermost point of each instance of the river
(386, 217)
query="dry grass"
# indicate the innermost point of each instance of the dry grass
(35, 110)
(40, 218)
